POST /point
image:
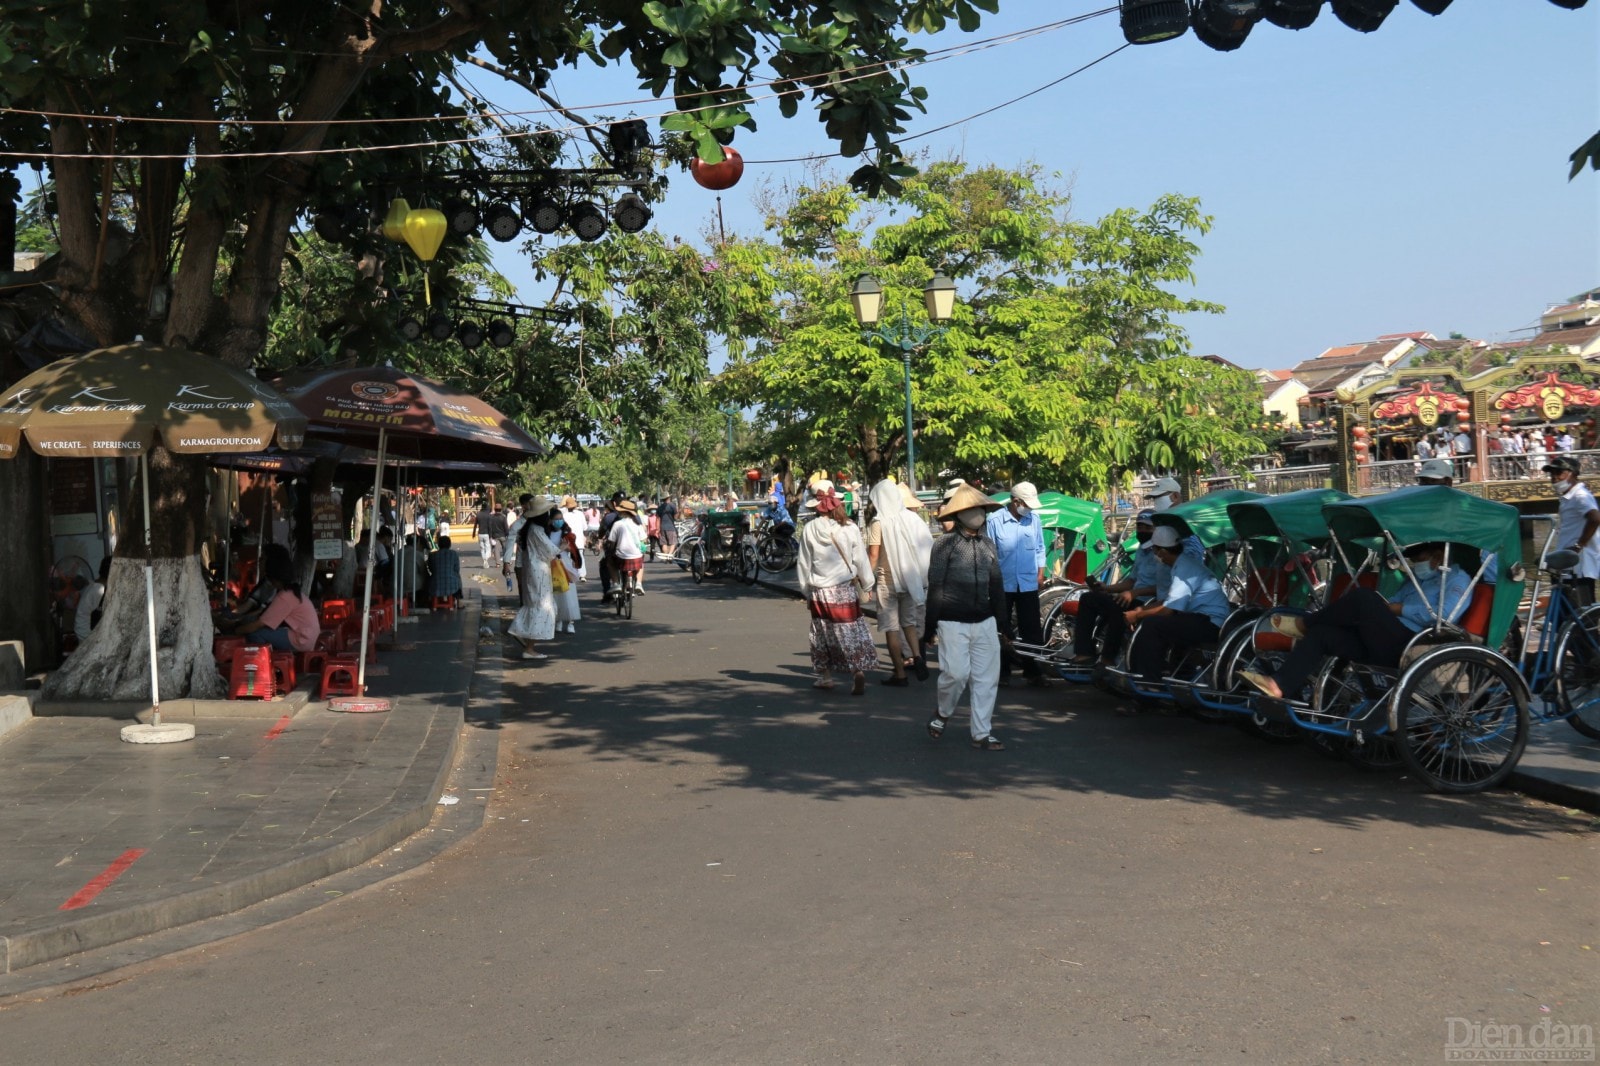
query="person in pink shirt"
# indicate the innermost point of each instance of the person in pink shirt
(289, 622)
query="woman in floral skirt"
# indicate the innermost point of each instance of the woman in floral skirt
(832, 566)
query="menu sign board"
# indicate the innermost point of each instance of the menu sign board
(327, 525)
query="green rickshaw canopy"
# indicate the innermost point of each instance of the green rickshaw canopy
(1084, 519)
(1295, 517)
(1424, 513)
(1206, 516)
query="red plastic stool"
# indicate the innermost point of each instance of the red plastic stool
(339, 678)
(309, 663)
(223, 649)
(283, 675)
(250, 677)
(375, 621)
(335, 610)
(330, 640)
(444, 603)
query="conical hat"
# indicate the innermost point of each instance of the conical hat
(966, 497)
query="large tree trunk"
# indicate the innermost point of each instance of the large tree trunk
(114, 663)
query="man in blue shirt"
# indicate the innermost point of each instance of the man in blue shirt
(1364, 627)
(1103, 606)
(1018, 537)
(1191, 612)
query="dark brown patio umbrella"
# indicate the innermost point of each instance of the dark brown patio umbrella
(381, 408)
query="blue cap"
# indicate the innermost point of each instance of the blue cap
(1146, 517)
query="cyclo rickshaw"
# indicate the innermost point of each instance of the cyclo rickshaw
(724, 543)
(1456, 708)
(1205, 518)
(1284, 557)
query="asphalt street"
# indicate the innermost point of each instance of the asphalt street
(692, 857)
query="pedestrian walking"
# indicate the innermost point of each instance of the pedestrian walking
(1018, 537)
(832, 569)
(668, 513)
(569, 553)
(530, 554)
(481, 529)
(898, 546)
(967, 610)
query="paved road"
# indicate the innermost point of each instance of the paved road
(691, 859)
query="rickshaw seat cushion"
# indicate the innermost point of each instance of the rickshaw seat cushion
(1069, 607)
(1341, 584)
(1270, 640)
(1475, 619)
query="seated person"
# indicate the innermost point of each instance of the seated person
(444, 571)
(290, 622)
(1363, 627)
(383, 557)
(256, 600)
(1191, 612)
(776, 513)
(1106, 603)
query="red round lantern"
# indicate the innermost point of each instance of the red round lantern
(723, 175)
(752, 474)
(1464, 417)
(1360, 433)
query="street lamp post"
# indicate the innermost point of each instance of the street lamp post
(939, 297)
(730, 412)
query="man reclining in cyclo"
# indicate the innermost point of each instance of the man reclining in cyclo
(1364, 627)
(1109, 611)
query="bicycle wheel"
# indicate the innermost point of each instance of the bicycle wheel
(1463, 720)
(685, 551)
(625, 604)
(1060, 626)
(749, 563)
(1223, 675)
(1578, 673)
(621, 598)
(698, 564)
(1246, 656)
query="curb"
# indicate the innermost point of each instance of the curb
(378, 831)
(1557, 792)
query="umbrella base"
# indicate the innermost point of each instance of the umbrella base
(165, 733)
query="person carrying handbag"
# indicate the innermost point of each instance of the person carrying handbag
(832, 569)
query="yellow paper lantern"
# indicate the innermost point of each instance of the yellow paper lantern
(424, 232)
(394, 223)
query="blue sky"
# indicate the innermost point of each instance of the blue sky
(1411, 178)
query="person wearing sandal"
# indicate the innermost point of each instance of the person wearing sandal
(898, 546)
(832, 566)
(530, 554)
(1364, 627)
(967, 609)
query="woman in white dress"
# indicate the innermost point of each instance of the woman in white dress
(570, 552)
(531, 554)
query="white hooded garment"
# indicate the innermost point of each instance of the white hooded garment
(905, 540)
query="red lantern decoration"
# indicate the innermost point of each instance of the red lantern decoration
(752, 474)
(1359, 432)
(717, 176)
(1464, 417)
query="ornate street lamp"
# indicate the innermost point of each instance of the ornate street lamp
(938, 299)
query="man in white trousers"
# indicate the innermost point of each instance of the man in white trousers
(967, 608)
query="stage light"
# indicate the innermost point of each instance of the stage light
(1149, 21)
(586, 221)
(470, 334)
(409, 327)
(461, 216)
(502, 221)
(545, 214)
(630, 213)
(439, 327)
(1364, 16)
(502, 334)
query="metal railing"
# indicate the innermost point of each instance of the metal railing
(1274, 482)
(1530, 467)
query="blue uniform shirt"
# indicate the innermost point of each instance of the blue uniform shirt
(1417, 612)
(1197, 590)
(1146, 568)
(1020, 542)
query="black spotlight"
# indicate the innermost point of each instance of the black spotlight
(1570, 5)
(545, 214)
(628, 139)
(1432, 7)
(501, 333)
(586, 221)
(502, 221)
(470, 334)
(461, 216)
(1291, 14)
(439, 327)
(1224, 24)
(409, 327)
(630, 213)
(1363, 16)
(1149, 21)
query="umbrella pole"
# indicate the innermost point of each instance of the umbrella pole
(372, 560)
(150, 591)
(400, 568)
(227, 538)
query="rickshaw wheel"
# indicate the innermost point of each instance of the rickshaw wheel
(749, 564)
(1224, 674)
(697, 563)
(1259, 726)
(1338, 693)
(1375, 753)
(1578, 673)
(1060, 629)
(1463, 719)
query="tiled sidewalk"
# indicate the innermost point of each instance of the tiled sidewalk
(131, 839)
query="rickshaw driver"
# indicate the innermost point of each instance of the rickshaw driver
(1108, 602)
(1191, 612)
(1580, 519)
(1362, 626)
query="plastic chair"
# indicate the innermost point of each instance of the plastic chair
(283, 673)
(250, 677)
(339, 678)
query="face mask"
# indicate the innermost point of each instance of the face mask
(1161, 503)
(971, 519)
(1422, 568)
(557, 523)
(1023, 510)
(1564, 486)
(1142, 537)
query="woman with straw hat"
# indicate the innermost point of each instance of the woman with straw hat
(967, 609)
(832, 563)
(530, 553)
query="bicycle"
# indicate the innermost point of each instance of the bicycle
(776, 545)
(627, 588)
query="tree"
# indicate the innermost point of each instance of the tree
(1063, 361)
(244, 115)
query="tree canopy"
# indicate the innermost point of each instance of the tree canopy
(1063, 361)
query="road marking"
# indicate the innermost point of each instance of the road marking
(283, 723)
(102, 880)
